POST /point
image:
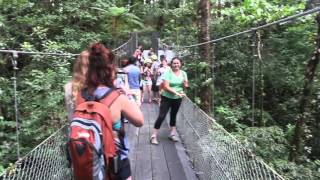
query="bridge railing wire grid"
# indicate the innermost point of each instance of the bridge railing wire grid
(49, 159)
(216, 154)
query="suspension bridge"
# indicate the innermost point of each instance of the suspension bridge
(205, 150)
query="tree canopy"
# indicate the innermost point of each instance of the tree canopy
(279, 75)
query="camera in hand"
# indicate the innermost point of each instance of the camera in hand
(121, 78)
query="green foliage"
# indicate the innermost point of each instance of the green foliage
(293, 171)
(69, 26)
(269, 142)
(252, 12)
(279, 78)
(230, 118)
(48, 26)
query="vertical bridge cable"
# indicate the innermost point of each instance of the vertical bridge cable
(259, 46)
(253, 45)
(48, 158)
(213, 76)
(14, 79)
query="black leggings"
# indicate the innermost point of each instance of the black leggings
(166, 104)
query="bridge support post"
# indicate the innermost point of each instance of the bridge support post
(155, 41)
(133, 44)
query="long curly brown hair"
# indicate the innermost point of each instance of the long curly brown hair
(101, 69)
(80, 70)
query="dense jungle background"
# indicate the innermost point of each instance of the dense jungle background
(280, 122)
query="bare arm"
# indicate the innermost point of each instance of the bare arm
(68, 99)
(185, 83)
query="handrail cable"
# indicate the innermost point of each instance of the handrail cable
(53, 54)
(36, 53)
(15, 55)
(311, 11)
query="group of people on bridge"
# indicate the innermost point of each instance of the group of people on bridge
(121, 89)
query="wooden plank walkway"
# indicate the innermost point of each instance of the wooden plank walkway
(166, 161)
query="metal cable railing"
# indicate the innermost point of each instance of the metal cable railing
(215, 153)
(122, 48)
(283, 20)
(48, 160)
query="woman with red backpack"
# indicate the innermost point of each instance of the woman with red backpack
(99, 107)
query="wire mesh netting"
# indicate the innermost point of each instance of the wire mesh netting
(214, 153)
(47, 161)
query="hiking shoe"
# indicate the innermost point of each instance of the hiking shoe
(153, 140)
(173, 138)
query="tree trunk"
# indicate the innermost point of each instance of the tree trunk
(297, 141)
(204, 35)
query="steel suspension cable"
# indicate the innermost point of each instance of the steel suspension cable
(259, 46)
(53, 54)
(254, 44)
(36, 53)
(14, 79)
(14, 57)
(305, 13)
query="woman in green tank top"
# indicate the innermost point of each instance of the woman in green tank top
(174, 81)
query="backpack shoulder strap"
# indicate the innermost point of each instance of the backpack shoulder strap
(110, 97)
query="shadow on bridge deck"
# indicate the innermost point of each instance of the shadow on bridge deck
(166, 161)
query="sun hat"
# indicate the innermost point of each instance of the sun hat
(154, 57)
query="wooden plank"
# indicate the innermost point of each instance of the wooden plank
(132, 135)
(160, 169)
(166, 161)
(185, 162)
(143, 165)
(173, 162)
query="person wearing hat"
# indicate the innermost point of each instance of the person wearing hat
(147, 79)
(154, 68)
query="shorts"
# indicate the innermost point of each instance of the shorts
(136, 95)
(147, 82)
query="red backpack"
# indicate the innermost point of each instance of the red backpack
(91, 144)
